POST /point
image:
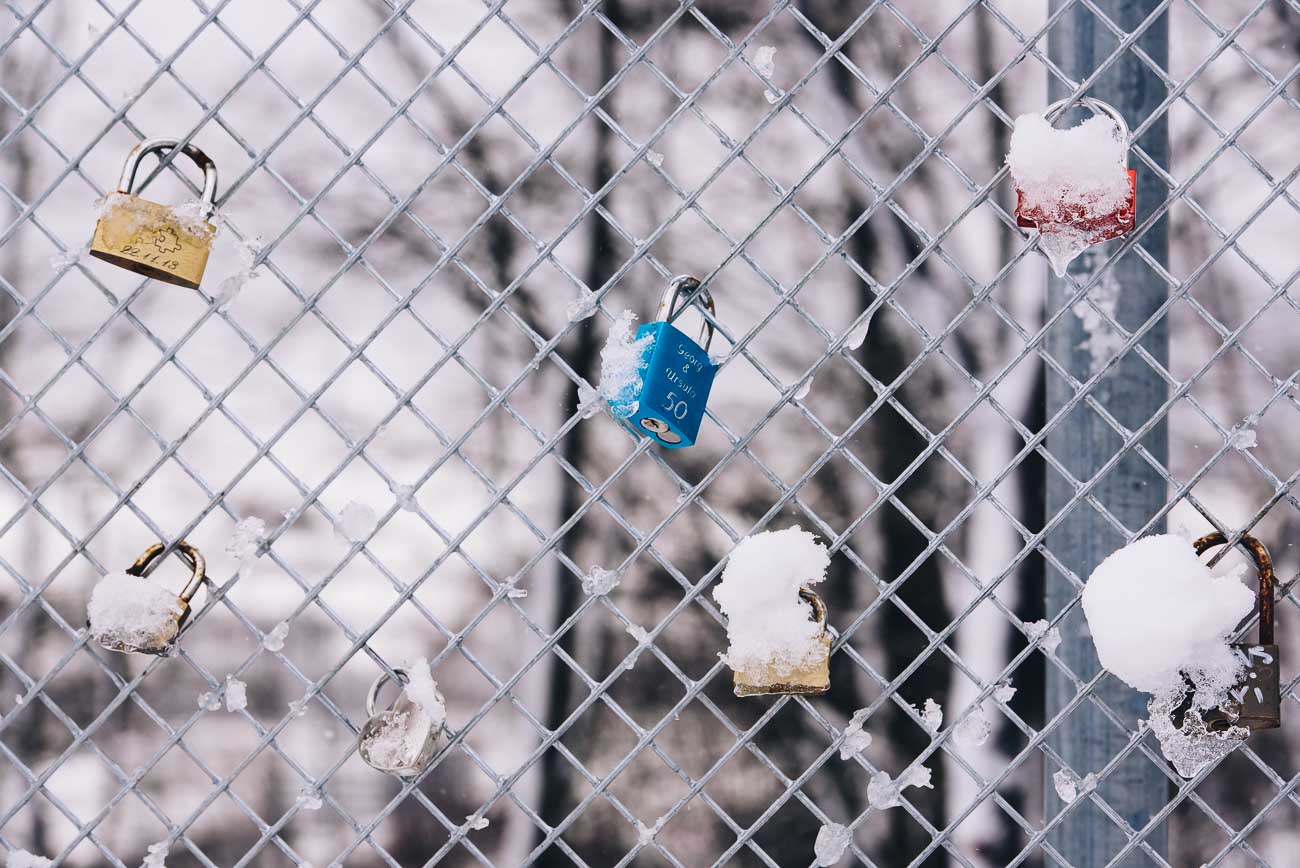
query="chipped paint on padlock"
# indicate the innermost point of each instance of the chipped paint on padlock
(152, 239)
(402, 739)
(1257, 697)
(678, 371)
(808, 680)
(1075, 215)
(161, 639)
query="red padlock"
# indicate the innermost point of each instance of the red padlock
(1075, 213)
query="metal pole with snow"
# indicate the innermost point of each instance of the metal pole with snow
(1131, 392)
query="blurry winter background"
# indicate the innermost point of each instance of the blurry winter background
(415, 198)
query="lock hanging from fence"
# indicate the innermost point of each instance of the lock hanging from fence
(1076, 214)
(139, 618)
(808, 680)
(678, 371)
(402, 739)
(1256, 700)
(152, 239)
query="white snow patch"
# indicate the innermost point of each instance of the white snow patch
(768, 623)
(858, 334)
(209, 700)
(832, 840)
(477, 824)
(1004, 692)
(600, 581)
(645, 835)
(856, 738)
(765, 60)
(1243, 437)
(245, 543)
(129, 610)
(932, 716)
(157, 856)
(884, 792)
(1047, 636)
(1069, 787)
(581, 307)
(309, 799)
(637, 632)
(298, 707)
(23, 859)
(517, 593)
(802, 391)
(654, 158)
(193, 217)
(231, 286)
(423, 691)
(622, 360)
(1191, 747)
(1103, 340)
(274, 641)
(973, 729)
(356, 522)
(69, 258)
(236, 694)
(405, 495)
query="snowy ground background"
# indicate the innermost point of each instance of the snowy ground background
(133, 410)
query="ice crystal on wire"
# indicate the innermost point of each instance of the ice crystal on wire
(69, 258)
(1069, 787)
(355, 523)
(581, 307)
(654, 158)
(274, 640)
(1243, 437)
(1042, 632)
(856, 738)
(405, 495)
(23, 859)
(309, 799)
(885, 792)
(423, 691)
(1004, 692)
(932, 716)
(600, 581)
(1103, 341)
(209, 700)
(246, 542)
(476, 823)
(157, 856)
(857, 334)
(974, 729)
(832, 840)
(236, 694)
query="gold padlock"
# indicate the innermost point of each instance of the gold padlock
(132, 617)
(807, 680)
(156, 240)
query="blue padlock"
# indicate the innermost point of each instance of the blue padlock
(678, 372)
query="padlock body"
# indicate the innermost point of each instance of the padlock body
(675, 387)
(808, 680)
(1076, 215)
(159, 641)
(147, 238)
(1261, 703)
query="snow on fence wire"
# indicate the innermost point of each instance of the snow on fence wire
(432, 213)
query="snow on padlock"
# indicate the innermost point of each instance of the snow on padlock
(678, 371)
(1257, 698)
(402, 739)
(130, 614)
(809, 679)
(1056, 192)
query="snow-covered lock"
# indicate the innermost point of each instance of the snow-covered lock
(163, 243)
(130, 614)
(1073, 183)
(402, 739)
(1256, 701)
(808, 679)
(679, 372)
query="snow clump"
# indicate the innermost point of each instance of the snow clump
(1060, 172)
(477, 823)
(236, 694)
(1004, 692)
(622, 360)
(832, 840)
(884, 792)
(768, 624)
(600, 581)
(157, 856)
(405, 495)
(23, 859)
(1069, 787)
(1047, 637)
(974, 728)
(274, 641)
(356, 522)
(132, 611)
(245, 542)
(209, 700)
(1243, 437)
(423, 691)
(856, 738)
(1188, 641)
(857, 334)
(581, 307)
(932, 716)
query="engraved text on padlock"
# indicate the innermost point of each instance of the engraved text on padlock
(678, 373)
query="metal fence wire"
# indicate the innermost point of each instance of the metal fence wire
(419, 200)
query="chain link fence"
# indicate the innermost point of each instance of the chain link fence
(419, 201)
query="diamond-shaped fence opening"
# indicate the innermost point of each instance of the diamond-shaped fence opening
(431, 215)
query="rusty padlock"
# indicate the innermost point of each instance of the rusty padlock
(807, 680)
(123, 621)
(402, 739)
(1257, 699)
(152, 239)
(1075, 215)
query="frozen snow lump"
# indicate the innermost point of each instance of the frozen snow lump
(768, 623)
(1155, 611)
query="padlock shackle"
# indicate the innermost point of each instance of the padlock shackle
(152, 557)
(810, 597)
(202, 160)
(372, 696)
(1263, 566)
(1098, 108)
(684, 283)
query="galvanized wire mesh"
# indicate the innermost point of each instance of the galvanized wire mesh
(427, 187)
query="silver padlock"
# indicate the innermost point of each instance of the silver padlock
(401, 740)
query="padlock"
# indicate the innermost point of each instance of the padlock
(1076, 215)
(153, 638)
(678, 373)
(152, 239)
(807, 680)
(402, 739)
(1256, 701)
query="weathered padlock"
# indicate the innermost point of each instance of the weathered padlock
(130, 617)
(152, 239)
(1257, 699)
(678, 371)
(402, 739)
(807, 680)
(1076, 215)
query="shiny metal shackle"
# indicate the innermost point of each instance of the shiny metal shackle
(684, 283)
(1263, 566)
(818, 606)
(372, 696)
(152, 557)
(1098, 107)
(202, 160)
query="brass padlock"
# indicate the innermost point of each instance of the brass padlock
(152, 239)
(121, 621)
(1257, 699)
(402, 739)
(807, 680)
